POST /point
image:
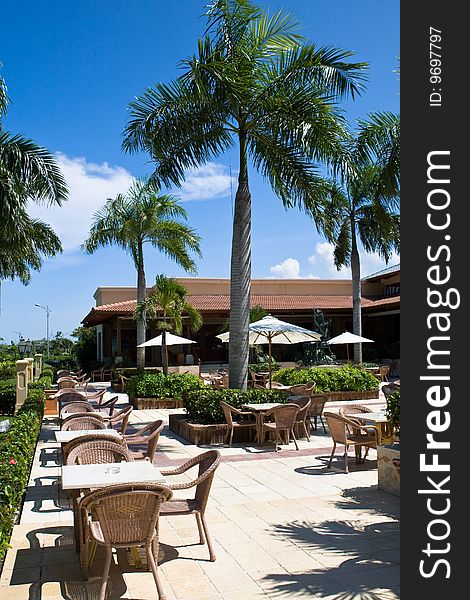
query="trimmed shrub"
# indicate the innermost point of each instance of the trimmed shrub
(7, 369)
(203, 406)
(7, 399)
(342, 379)
(17, 448)
(158, 385)
(393, 411)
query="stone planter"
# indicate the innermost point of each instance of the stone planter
(143, 403)
(51, 407)
(388, 474)
(363, 395)
(198, 434)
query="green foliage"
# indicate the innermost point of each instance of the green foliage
(84, 349)
(7, 369)
(203, 406)
(393, 411)
(7, 399)
(341, 379)
(158, 385)
(9, 352)
(263, 367)
(17, 448)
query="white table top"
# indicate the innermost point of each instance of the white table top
(372, 417)
(95, 476)
(262, 406)
(66, 436)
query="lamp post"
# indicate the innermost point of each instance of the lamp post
(48, 311)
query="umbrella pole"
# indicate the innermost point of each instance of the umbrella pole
(347, 351)
(270, 359)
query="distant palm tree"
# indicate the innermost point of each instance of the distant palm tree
(143, 216)
(168, 302)
(364, 205)
(256, 85)
(27, 172)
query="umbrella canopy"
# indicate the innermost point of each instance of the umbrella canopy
(170, 339)
(270, 330)
(348, 338)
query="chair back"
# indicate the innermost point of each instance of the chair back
(109, 404)
(69, 395)
(66, 382)
(298, 390)
(304, 404)
(339, 427)
(127, 513)
(227, 412)
(97, 396)
(88, 437)
(318, 402)
(354, 409)
(97, 452)
(285, 415)
(208, 463)
(149, 434)
(384, 371)
(122, 416)
(310, 387)
(63, 373)
(79, 421)
(76, 407)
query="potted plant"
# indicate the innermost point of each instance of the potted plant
(388, 456)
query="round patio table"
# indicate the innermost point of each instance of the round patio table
(259, 410)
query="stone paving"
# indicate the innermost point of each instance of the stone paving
(282, 524)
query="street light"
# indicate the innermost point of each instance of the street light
(48, 311)
(20, 335)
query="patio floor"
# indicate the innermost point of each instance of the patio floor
(283, 526)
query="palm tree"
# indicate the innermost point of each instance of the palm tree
(27, 172)
(364, 204)
(255, 84)
(143, 216)
(168, 301)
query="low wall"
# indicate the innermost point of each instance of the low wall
(143, 403)
(388, 474)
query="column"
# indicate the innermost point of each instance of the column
(21, 382)
(30, 362)
(37, 366)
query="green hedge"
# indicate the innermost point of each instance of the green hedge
(203, 406)
(158, 385)
(393, 411)
(17, 448)
(8, 394)
(7, 369)
(340, 379)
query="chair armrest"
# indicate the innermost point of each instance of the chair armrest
(188, 484)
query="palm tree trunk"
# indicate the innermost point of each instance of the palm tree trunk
(356, 288)
(240, 279)
(141, 289)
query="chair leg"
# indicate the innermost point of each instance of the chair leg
(208, 538)
(231, 437)
(321, 419)
(200, 529)
(107, 565)
(346, 467)
(153, 567)
(307, 434)
(315, 422)
(293, 437)
(332, 453)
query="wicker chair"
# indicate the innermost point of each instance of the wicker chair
(207, 463)
(284, 420)
(77, 421)
(317, 405)
(88, 437)
(298, 390)
(229, 413)
(125, 515)
(97, 452)
(302, 416)
(257, 379)
(349, 433)
(96, 396)
(122, 417)
(97, 374)
(109, 405)
(148, 436)
(354, 409)
(75, 407)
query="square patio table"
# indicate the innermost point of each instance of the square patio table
(75, 477)
(66, 436)
(259, 411)
(378, 419)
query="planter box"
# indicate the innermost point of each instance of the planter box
(388, 474)
(364, 395)
(198, 434)
(144, 403)
(51, 407)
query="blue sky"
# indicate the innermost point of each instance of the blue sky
(71, 69)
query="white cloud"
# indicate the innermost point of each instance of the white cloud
(323, 263)
(204, 183)
(90, 185)
(288, 269)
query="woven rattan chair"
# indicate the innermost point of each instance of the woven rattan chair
(257, 379)
(207, 463)
(298, 390)
(96, 396)
(349, 433)
(124, 515)
(146, 436)
(317, 405)
(79, 421)
(302, 416)
(109, 405)
(284, 420)
(97, 374)
(121, 417)
(75, 407)
(88, 437)
(237, 419)
(97, 452)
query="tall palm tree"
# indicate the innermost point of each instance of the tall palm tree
(168, 302)
(27, 172)
(257, 85)
(143, 216)
(364, 204)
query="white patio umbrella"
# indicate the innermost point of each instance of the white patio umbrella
(270, 330)
(348, 338)
(170, 340)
